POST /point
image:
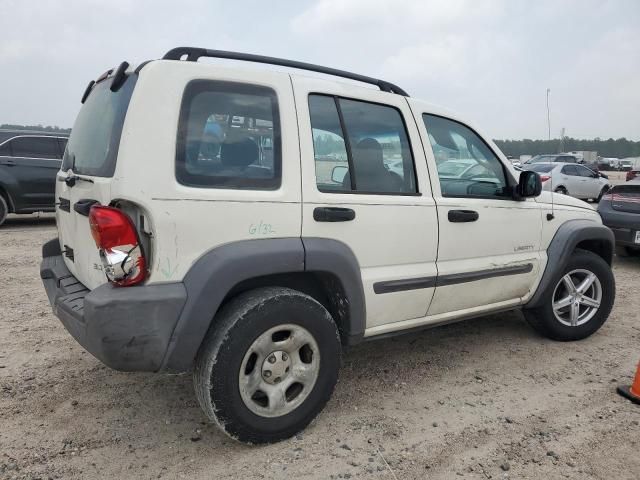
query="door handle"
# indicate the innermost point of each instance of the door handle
(83, 206)
(333, 214)
(461, 216)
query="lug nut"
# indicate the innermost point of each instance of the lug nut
(284, 357)
(267, 373)
(272, 359)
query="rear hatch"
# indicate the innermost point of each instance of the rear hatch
(626, 198)
(87, 171)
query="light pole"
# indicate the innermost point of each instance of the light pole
(548, 114)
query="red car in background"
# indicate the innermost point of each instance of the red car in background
(631, 174)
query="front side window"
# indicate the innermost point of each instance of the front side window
(466, 166)
(35, 147)
(360, 147)
(584, 171)
(229, 136)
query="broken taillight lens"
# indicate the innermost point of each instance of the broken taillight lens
(117, 241)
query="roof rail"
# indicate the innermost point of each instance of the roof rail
(193, 54)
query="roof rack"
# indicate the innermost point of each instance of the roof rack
(193, 54)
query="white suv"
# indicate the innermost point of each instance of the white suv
(248, 224)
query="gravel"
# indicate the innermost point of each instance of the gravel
(501, 396)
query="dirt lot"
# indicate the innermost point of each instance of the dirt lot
(486, 398)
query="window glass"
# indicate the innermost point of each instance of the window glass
(95, 138)
(584, 171)
(5, 149)
(62, 144)
(570, 170)
(466, 165)
(35, 147)
(368, 152)
(228, 136)
(541, 168)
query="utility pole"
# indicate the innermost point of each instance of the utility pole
(548, 114)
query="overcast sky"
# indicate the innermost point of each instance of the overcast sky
(489, 60)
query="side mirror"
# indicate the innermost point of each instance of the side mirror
(529, 184)
(338, 173)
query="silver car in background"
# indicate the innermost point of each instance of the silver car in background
(571, 179)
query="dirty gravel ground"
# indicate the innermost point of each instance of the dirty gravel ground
(485, 398)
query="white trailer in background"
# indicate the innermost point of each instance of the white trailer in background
(585, 156)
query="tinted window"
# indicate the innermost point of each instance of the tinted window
(93, 145)
(229, 136)
(5, 149)
(541, 168)
(570, 170)
(467, 167)
(35, 147)
(566, 159)
(360, 147)
(584, 171)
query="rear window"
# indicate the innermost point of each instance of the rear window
(35, 147)
(541, 168)
(92, 148)
(228, 136)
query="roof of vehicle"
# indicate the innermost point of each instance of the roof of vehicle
(6, 134)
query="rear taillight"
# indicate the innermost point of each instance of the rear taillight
(544, 178)
(118, 244)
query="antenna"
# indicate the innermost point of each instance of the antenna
(551, 216)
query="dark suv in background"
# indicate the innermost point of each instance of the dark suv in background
(29, 161)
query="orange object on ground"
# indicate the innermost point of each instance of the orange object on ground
(632, 392)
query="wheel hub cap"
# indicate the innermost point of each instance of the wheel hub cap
(577, 297)
(279, 370)
(276, 367)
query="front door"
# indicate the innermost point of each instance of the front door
(488, 255)
(361, 153)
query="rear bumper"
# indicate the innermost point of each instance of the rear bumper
(623, 225)
(126, 328)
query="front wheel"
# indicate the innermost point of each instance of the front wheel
(578, 301)
(268, 365)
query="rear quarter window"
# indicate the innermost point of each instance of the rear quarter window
(229, 136)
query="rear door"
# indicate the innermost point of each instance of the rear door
(570, 179)
(33, 161)
(361, 153)
(90, 158)
(488, 255)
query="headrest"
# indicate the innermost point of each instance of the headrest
(239, 153)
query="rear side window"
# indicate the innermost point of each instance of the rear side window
(360, 147)
(541, 168)
(92, 148)
(570, 170)
(35, 147)
(229, 136)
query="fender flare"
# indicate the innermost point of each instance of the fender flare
(564, 242)
(215, 274)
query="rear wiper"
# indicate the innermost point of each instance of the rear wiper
(72, 177)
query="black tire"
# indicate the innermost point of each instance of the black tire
(4, 210)
(562, 191)
(241, 322)
(543, 318)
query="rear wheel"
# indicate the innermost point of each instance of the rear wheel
(562, 190)
(4, 210)
(578, 301)
(268, 366)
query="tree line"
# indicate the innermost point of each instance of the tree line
(619, 148)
